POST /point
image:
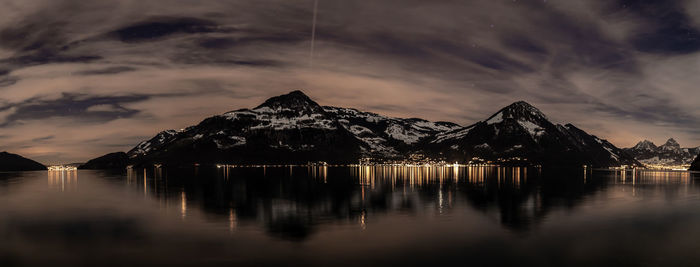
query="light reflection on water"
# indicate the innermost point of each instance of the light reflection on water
(63, 180)
(320, 215)
(652, 177)
(420, 175)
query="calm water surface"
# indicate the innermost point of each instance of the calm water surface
(350, 216)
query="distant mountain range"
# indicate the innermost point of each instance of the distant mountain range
(293, 129)
(668, 154)
(14, 162)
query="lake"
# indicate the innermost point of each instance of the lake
(350, 216)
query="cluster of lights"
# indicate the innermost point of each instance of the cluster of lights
(418, 160)
(62, 168)
(269, 165)
(683, 167)
(652, 167)
(388, 164)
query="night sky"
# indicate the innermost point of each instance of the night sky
(83, 78)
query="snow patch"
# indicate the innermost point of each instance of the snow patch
(359, 130)
(452, 135)
(279, 119)
(397, 132)
(498, 118)
(513, 148)
(433, 126)
(612, 154)
(483, 146)
(239, 140)
(534, 129)
(376, 146)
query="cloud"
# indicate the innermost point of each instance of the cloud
(42, 139)
(78, 107)
(156, 28)
(6, 112)
(666, 27)
(7, 80)
(109, 108)
(104, 75)
(106, 71)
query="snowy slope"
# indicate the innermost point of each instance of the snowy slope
(522, 131)
(385, 135)
(292, 128)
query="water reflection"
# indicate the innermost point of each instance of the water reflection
(651, 177)
(327, 216)
(8, 178)
(63, 180)
(417, 176)
(292, 202)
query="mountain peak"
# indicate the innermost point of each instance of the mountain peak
(523, 109)
(294, 100)
(298, 93)
(646, 142)
(645, 145)
(668, 154)
(520, 110)
(521, 103)
(672, 143)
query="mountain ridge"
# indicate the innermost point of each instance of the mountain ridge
(292, 128)
(116, 160)
(669, 154)
(14, 162)
(520, 132)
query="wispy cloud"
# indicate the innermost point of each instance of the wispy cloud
(99, 76)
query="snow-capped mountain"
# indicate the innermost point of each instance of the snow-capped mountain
(289, 128)
(520, 131)
(292, 128)
(645, 146)
(670, 153)
(385, 136)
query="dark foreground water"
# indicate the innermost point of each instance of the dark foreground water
(343, 216)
